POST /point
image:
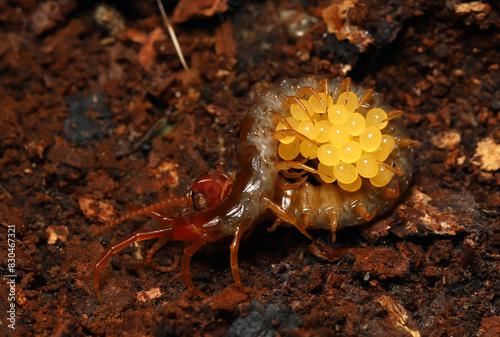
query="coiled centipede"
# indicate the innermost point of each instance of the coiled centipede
(314, 152)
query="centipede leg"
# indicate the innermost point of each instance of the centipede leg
(293, 133)
(333, 224)
(365, 98)
(275, 225)
(345, 86)
(234, 258)
(408, 143)
(292, 175)
(306, 218)
(158, 244)
(285, 185)
(392, 192)
(360, 207)
(122, 244)
(185, 264)
(284, 215)
(286, 165)
(393, 115)
(307, 90)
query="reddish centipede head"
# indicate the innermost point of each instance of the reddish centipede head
(210, 190)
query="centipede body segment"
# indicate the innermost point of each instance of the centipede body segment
(314, 153)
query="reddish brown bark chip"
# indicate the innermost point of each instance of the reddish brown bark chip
(380, 262)
(490, 327)
(187, 9)
(227, 299)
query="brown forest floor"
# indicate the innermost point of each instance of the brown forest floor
(80, 114)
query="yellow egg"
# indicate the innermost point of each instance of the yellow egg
(297, 111)
(350, 152)
(324, 128)
(377, 115)
(338, 135)
(370, 139)
(367, 166)
(316, 105)
(355, 124)
(345, 173)
(289, 151)
(337, 114)
(309, 129)
(308, 149)
(352, 187)
(385, 148)
(326, 173)
(328, 155)
(382, 178)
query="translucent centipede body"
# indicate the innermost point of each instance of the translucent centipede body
(288, 169)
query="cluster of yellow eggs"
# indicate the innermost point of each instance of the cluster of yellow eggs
(345, 144)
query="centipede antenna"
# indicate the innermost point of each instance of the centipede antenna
(160, 215)
(172, 35)
(175, 201)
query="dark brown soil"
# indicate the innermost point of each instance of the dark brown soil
(98, 116)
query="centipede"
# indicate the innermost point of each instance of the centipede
(314, 153)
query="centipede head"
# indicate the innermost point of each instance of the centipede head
(210, 190)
